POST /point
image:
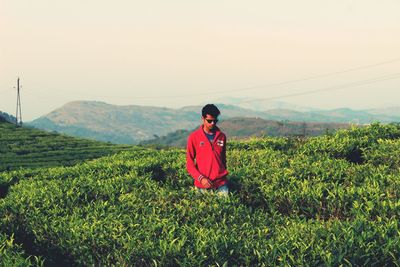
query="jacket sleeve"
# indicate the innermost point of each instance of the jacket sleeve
(190, 160)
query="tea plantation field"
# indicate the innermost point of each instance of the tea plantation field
(322, 201)
(22, 147)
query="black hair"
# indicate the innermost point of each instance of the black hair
(210, 109)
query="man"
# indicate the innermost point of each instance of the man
(206, 153)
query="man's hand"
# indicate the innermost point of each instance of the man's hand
(207, 183)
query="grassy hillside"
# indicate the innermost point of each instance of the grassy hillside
(325, 201)
(22, 147)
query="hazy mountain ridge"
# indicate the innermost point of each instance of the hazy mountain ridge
(119, 124)
(262, 105)
(133, 124)
(239, 128)
(279, 108)
(393, 111)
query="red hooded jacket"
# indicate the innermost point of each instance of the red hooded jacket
(206, 159)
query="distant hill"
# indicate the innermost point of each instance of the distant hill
(261, 105)
(258, 127)
(390, 111)
(239, 128)
(117, 124)
(133, 124)
(24, 147)
(258, 104)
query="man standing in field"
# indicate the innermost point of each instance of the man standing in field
(206, 153)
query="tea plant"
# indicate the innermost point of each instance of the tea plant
(12, 254)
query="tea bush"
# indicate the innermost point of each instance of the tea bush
(12, 254)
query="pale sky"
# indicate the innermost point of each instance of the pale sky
(175, 53)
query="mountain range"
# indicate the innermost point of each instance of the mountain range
(133, 124)
(239, 128)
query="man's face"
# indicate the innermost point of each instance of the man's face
(209, 122)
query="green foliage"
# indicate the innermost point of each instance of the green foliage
(7, 117)
(22, 147)
(350, 145)
(384, 152)
(286, 144)
(11, 254)
(293, 202)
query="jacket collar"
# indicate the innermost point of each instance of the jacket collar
(217, 131)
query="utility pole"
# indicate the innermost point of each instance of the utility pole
(18, 116)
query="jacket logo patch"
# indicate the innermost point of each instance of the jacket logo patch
(201, 143)
(220, 142)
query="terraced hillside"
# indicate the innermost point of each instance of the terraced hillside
(22, 147)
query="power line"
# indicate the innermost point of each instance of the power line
(386, 77)
(314, 77)
(333, 88)
(284, 82)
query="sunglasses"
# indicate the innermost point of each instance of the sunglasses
(210, 121)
